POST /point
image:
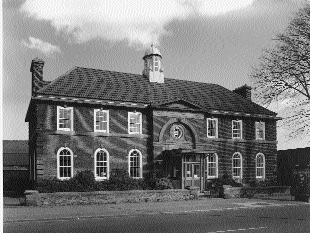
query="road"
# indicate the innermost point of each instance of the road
(289, 218)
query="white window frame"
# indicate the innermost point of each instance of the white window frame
(263, 167)
(58, 163)
(140, 165)
(217, 166)
(216, 127)
(241, 165)
(108, 165)
(258, 126)
(156, 61)
(58, 115)
(232, 129)
(95, 122)
(140, 123)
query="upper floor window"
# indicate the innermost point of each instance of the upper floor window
(134, 123)
(65, 118)
(212, 126)
(260, 130)
(101, 121)
(101, 164)
(64, 163)
(237, 165)
(236, 129)
(260, 166)
(135, 164)
(212, 166)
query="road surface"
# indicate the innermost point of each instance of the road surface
(282, 219)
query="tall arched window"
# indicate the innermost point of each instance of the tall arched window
(101, 164)
(64, 163)
(135, 164)
(260, 166)
(237, 165)
(212, 166)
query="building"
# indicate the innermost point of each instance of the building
(15, 159)
(291, 159)
(190, 131)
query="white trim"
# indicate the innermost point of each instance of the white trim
(108, 164)
(264, 166)
(71, 115)
(241, 166)
(58, 165)
(257, 128)
(108, 121)
(216, 128)
(217, 167)
(232, 129)
(140, 160)
(140, 119)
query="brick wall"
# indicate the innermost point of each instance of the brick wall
(83, 141)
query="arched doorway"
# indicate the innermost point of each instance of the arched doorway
(181, 160)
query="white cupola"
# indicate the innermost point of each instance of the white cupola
(152, 65)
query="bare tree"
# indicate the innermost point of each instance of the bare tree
(284, 74)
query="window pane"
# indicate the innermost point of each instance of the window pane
(134, 123)
(212, 127)
(101, 164)
(134, 163)
(65, 163)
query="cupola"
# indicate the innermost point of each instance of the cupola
(152, 65)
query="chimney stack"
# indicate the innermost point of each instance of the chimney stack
(244, 91)
(37, 75)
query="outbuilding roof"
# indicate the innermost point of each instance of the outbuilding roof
(117, 86)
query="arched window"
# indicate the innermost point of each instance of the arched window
(135, 164)
(237, 165)
(101, 164)
(260, 166)
(212, 166)
(64, 163)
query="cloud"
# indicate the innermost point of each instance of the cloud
(42, 46)
(137, 21)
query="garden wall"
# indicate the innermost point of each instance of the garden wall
(34, 198)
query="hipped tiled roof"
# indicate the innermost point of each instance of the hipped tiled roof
(116, 86)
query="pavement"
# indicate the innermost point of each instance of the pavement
(13, 212)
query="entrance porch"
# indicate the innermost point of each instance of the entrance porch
(185, 168)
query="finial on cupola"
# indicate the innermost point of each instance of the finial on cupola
(152, 65)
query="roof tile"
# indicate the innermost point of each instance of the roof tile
(116, 86)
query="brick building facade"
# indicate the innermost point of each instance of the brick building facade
(192, 132)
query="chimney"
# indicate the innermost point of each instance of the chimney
(37, 75)
(244, 91)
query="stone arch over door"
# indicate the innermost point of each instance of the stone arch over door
(182, 121)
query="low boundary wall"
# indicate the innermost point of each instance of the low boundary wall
(34, 198)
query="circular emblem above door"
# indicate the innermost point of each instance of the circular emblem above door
(177, 131)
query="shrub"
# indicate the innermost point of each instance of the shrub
(120, 180)
(84, 181)
(163, 183)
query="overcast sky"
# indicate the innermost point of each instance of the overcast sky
(214, 41)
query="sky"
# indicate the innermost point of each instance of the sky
(212, 41)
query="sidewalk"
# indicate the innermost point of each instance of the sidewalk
(24, 213)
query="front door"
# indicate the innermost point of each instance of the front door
(192, 174)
